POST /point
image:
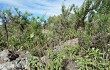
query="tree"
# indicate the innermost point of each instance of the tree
(5, 20)
(88, 7)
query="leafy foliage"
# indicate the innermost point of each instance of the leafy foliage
(90, 23)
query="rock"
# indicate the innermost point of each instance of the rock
(58, 49)
(45, 59)
(12, 56)
(45, 31)
(7, 66)
(69, 64)
(71, 42)
(14, 61)
(4, 55)
(7, 55)
(19, 64)
(24, 54)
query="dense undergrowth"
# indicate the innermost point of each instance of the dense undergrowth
(90, 23)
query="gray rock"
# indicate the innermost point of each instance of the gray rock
(7, 66)
(7, 55)
(71, 42)
(58, 49)
(20, 63)
(45, 59)
(4, 55)
(69, 64)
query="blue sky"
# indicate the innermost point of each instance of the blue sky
(39, 7)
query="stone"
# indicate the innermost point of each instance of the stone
(4, 55)
(11, 61)
(58, 49)
(71, 42)
(7, 55)
(12, 56)
(45, 60)
(69, 64)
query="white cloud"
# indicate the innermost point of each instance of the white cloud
(50, 7)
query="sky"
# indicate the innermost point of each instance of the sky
(38, 7)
